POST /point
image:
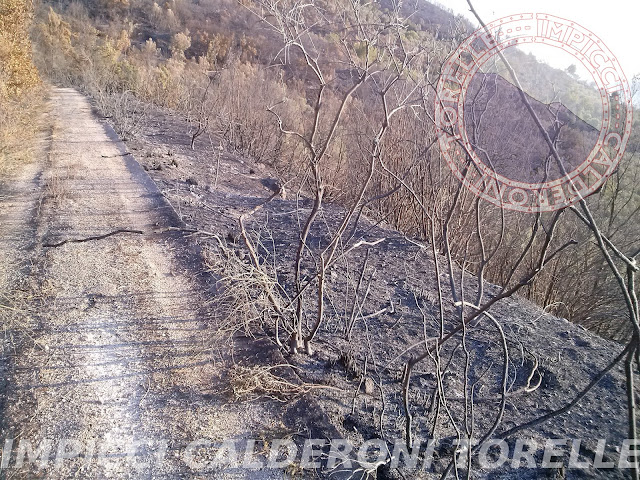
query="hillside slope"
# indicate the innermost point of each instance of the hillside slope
(508, 140)
(551, 359)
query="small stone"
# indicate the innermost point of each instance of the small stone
(369, 386)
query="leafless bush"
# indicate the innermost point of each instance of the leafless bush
(546, 242)
(126, 111)
(242, 301)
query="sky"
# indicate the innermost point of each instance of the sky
(616, 22)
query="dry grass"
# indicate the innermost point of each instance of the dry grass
(56, 184)
(18, 309)
(25, 126)
(125, 110)
(242, 301)
(18, 130)
(252, 383)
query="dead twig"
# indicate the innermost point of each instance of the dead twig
(117, 155)
(251, 383)
(89, 239)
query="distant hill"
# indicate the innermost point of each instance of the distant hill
(508, 140)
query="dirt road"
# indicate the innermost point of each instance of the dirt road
(110, 355)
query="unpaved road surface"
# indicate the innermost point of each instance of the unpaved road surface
(110, 353)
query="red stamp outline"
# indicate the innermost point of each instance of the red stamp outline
(612, 85)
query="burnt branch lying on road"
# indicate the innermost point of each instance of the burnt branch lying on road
(89, 239)
(118, 155)
(188, 231)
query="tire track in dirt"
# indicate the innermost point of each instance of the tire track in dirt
(125, 368)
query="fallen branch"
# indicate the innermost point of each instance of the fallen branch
(188, 231)
(89, 239)
(117, 155)
(251, 383)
